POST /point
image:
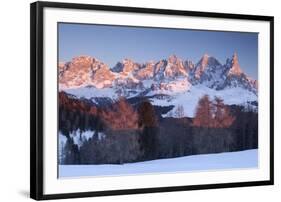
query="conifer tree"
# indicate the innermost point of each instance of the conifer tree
(212, 114)
(148, 123)
(121, 116)
(203, 116)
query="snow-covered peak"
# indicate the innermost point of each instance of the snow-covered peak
(205, 57)
(83, 59)
(61, 67)
(84, 71)
(147, 71)
(131, 67)
(174, 59)
(206, 63)
(174, 68)
(207, 60)
(127, 66)
(235, 77)
(201, 66)
(235, 67)
(189, 65)
(61, 64)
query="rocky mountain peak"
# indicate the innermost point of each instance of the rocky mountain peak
(118, 67)
(83, 60)
(147, 71)
(126, 66)
(174, 59)
(129, 65)
(84, 71)
(61, 67)
(205, 56)
(235, 67)
(205, 62)
(128, 61)
(174, 67)
(88, 71)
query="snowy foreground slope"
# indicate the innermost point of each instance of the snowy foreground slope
(229, 160)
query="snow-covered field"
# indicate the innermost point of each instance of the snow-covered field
(189, 99)
(90, 92)
(229, 160)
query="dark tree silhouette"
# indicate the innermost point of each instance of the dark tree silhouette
(148, 122)
(147, 116)
(71, 152)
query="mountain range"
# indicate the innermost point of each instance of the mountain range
(170, 81)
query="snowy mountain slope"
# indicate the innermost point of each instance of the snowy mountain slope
(186, 98)
(189, 100)
(183, 81)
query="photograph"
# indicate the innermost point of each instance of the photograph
(137, 100)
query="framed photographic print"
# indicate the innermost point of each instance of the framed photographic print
(136, 100)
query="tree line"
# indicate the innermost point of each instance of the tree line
(137, 133)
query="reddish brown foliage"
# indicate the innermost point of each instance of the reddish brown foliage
(212, 114)
(76, 105)
(121, 116)
(221, 115)
(203, 114)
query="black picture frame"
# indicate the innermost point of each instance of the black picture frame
(37, 101)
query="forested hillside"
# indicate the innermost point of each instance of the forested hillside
(122, 131)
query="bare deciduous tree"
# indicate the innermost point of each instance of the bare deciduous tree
(179, 112)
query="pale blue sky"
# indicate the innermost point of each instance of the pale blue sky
(111, 44)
